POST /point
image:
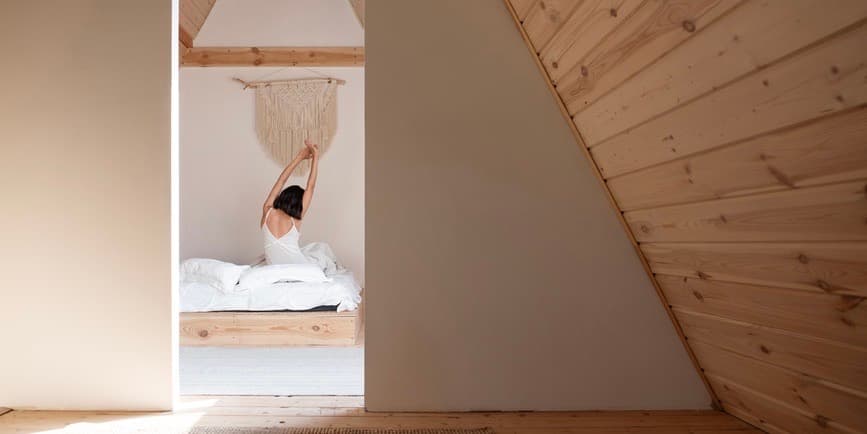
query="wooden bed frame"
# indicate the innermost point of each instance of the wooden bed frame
(239, 329)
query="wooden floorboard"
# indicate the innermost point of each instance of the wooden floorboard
(348, 411)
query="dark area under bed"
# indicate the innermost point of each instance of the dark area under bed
(315, 309)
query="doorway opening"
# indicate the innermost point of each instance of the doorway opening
(251, 321)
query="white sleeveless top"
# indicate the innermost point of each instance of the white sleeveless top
(283, 250)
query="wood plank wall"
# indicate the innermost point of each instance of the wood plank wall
(732, 135)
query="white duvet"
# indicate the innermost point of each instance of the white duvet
(341, 290)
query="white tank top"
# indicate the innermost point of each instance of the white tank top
(283, 250)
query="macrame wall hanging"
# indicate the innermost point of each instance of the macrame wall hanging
(290, 111)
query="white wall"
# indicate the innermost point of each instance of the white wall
(280, 23)
(85, 303)
(225, 174)
(498, 275)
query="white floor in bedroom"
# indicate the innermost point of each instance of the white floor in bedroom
(272, 371)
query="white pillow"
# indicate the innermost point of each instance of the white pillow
(267, 274)
(221, 275)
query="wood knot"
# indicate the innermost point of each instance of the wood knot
(688, 25)
(254, 50)
(316, 328)
(668, 137)
(555, 65)
(839, 98)
(257, 61)
(824, 285)
(802, 258)
(781, 177)
(203, 333)
(702, 275)
(822, 421)
(645, 229)
(542, 5)
(848, 302)
(698, 295)
(766, 83)
(613, 12)
(834, 70)
(723, 219)
(764, 349)
(584, 71)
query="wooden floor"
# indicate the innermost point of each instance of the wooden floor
(331, 411)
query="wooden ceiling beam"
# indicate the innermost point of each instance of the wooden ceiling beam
(182, 50)
(273, 56)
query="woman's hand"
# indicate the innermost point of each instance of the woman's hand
(304, 153)
(312, 148)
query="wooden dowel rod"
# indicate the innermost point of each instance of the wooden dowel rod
(267, 83)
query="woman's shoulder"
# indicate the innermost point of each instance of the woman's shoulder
(278, 219)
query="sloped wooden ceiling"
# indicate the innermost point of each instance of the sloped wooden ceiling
(191, 18)
(732, 135)
(358, 9)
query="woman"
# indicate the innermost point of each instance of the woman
(284, 210)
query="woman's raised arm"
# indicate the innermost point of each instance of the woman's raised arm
(313, 149)
(281, 181)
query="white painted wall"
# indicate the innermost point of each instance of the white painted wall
(281, 23)
(85, 303)
(225, 174)
(498, 277)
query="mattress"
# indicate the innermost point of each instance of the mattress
(341, 291)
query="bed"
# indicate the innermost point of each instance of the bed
(239, 329)
(280, 314)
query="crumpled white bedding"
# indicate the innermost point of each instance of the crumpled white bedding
(341, 290)
(322, 255)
